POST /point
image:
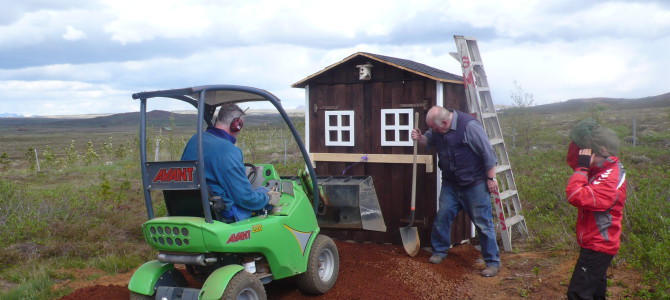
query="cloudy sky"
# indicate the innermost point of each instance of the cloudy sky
(88, 56)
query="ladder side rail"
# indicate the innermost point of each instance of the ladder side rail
(502, 226)
(468, 77)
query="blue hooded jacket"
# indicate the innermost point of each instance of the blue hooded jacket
(225, 173)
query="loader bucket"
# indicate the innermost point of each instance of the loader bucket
(350, 203)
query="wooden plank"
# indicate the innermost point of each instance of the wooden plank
(374, 158)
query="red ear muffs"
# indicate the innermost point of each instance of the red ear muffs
(236, 125)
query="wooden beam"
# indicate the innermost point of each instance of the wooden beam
(374, 158)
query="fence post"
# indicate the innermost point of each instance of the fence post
(37, 160)
(634, 132)
(284, 151)
(157, 151)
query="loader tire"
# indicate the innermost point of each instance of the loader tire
(136, 296)
(244, 285)
(323, 266)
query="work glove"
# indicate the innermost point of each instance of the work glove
(274, 196)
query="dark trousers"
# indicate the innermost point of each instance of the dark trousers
(589, 280)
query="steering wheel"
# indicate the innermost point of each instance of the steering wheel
(253, 173)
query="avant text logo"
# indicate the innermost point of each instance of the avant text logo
(240, 236)
(174, 174)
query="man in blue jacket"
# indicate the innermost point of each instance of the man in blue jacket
(224, 166)
(467, 162)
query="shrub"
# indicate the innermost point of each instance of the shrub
(90, 156)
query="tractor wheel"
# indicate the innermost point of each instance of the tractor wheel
(323, 266)
(244, 286)
(136, 296)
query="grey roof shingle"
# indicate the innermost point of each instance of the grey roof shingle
(418, 67)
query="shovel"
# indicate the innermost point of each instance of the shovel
(409, 234)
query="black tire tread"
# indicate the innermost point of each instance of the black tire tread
(241, 280)
(310, 282)
(136, 296)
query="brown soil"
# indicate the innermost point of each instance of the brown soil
(373, 271)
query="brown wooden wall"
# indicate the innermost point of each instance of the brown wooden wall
(389, 88)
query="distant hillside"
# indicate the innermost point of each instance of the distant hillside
(155, 118)
(660, 101)
(8, 115)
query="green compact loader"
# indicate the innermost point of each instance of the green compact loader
(233, 260)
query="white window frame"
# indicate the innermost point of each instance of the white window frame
(396, 127)
(339, 127)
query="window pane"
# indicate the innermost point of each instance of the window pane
(332, 120)
(404, 119)
(404, 135)
(389, 119)
(345, 120)
(332, 135)
(346, 136)
(390, 135)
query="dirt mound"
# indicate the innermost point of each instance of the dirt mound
(100, 292)
(374, 271)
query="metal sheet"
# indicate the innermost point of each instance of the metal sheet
(352, 203)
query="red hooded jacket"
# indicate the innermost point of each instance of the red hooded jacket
(600, 195)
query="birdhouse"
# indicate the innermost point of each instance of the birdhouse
(365, 71)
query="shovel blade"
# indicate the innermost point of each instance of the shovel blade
(410, 240)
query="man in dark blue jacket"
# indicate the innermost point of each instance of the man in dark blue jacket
(467, 162)
(224, 166)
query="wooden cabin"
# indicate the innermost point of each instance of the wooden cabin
(363, 107)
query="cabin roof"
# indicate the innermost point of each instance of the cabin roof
(405, 64)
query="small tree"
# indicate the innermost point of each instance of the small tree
(30, 157)
(107, 149)
(49, 157)
(120, 152)
(90, 156)
(71, 155)
(4, 160)
(523, 119)
(596, 112)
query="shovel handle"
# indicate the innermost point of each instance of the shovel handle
(413, 205)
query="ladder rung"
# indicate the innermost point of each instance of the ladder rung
(496, 141)
(513, 220)
(489, 115)
(483, 89)
(502, 168)
(455, 56)
(506, 194)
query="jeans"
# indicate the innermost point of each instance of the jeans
(477, 204)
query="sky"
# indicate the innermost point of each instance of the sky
(73, 57)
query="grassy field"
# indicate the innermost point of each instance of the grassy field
(84, 207)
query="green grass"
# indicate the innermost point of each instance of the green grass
(37, 285)
(77, 215)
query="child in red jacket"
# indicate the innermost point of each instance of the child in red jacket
(598, 189)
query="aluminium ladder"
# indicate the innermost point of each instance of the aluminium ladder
(478, 94)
